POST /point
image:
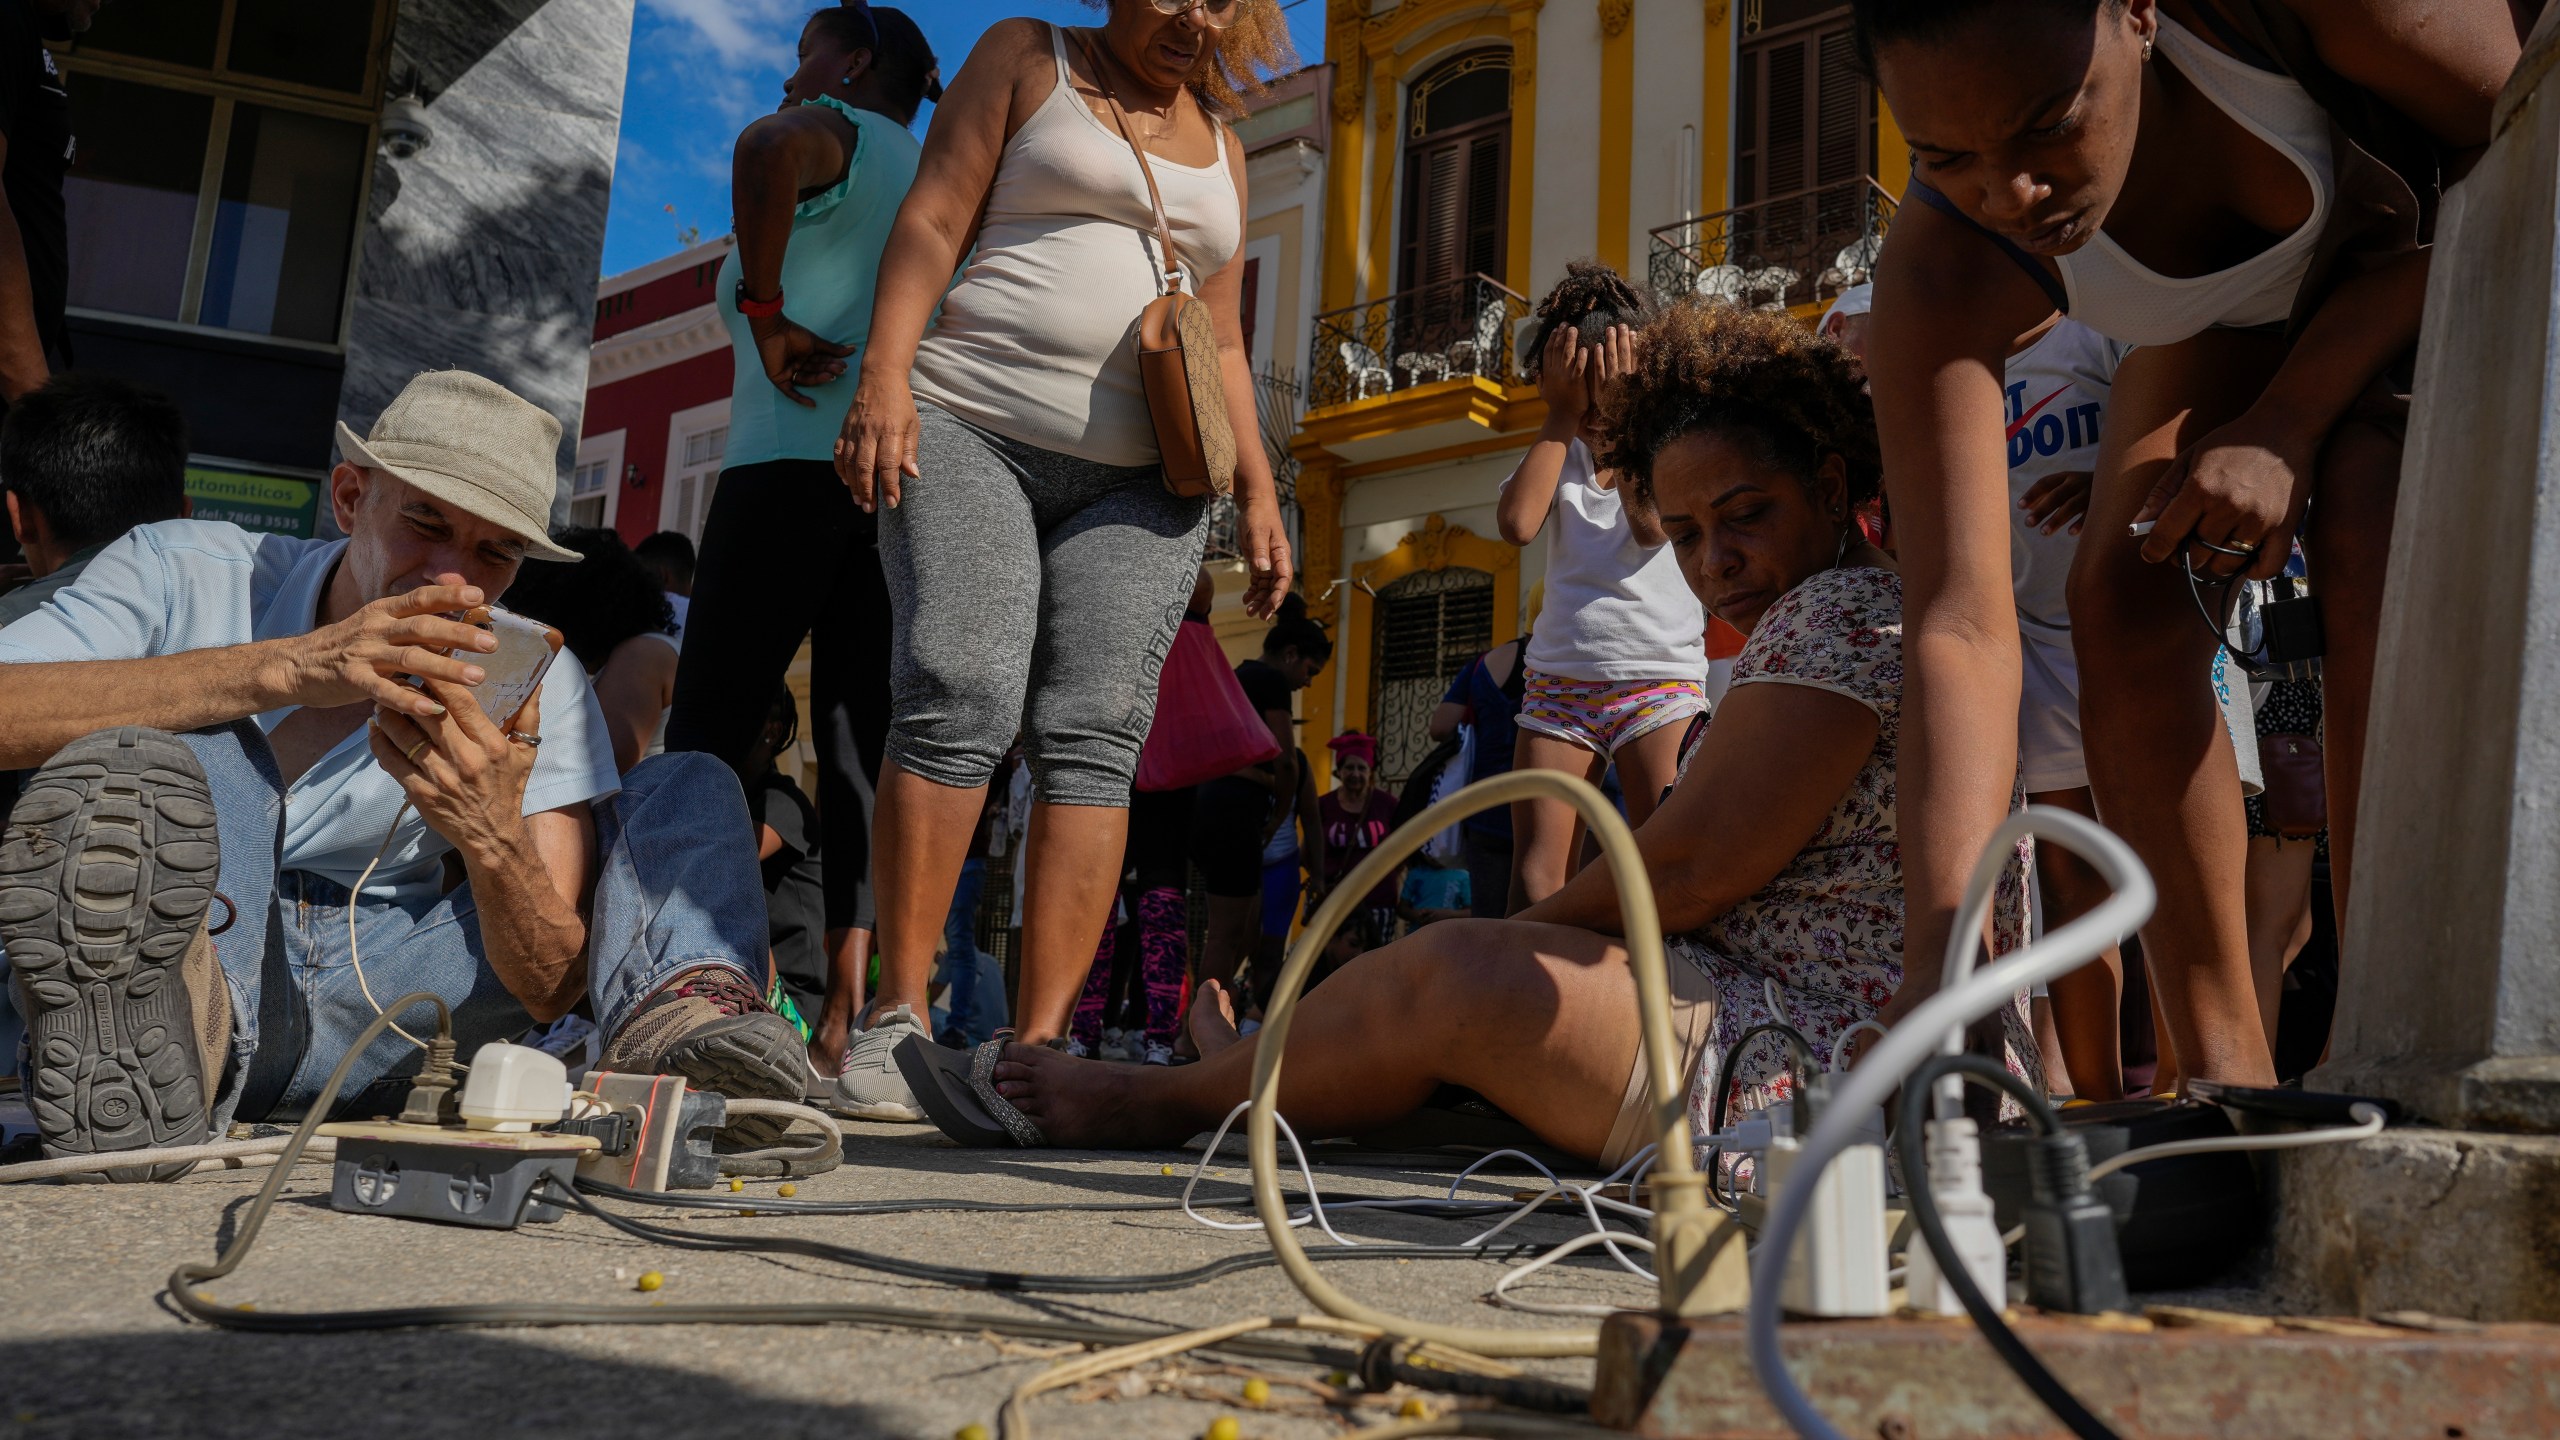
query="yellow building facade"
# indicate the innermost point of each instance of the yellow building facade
(1727, 147)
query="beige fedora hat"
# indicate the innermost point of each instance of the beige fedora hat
(472, 443)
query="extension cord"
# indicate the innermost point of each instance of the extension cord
(1836, 1268)
(1955, 1182)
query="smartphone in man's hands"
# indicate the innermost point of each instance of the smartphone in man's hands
(513, 671)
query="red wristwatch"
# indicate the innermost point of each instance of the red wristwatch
(757, 309)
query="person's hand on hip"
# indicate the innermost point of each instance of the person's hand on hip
(876, 454)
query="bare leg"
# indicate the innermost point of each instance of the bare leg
(919, 840)
(1538, 1019)
(2279, 916)
(2086, 1001)
(2159, 763)
(1543, 837)
(848, 961)
(1233, 922)
(1074, 852)
(2349, 547)
(1646, 767)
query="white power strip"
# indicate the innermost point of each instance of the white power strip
(1837, 1266)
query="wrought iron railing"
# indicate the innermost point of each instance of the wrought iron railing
(1276, 406)
(1797, 250)
(1442, 331)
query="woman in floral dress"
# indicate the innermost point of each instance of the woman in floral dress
(1775, 862)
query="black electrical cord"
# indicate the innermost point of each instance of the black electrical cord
(1800, 1050)
(718, 1202)
(1008, 1281)
(2012, 1351)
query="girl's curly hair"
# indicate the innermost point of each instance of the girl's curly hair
(1242, 60)
(1754, 375)
(1591, 297)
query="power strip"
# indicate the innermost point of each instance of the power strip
(657, 1133)
(481, 1178)
(1838, 1266)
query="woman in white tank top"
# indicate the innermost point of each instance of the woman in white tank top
(2183, 175)
(1037, 565)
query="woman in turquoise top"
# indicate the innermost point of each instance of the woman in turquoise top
(784, 552)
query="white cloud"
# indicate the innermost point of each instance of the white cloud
(740, 32)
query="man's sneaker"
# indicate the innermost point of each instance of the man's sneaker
(869, 1086)
(712, 1027)
(106, 871)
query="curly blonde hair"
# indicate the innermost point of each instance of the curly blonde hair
(1241, 61)
(1754, 375)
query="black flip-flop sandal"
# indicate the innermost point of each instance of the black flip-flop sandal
(958, 1092)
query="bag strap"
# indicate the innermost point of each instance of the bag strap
(1164, 228)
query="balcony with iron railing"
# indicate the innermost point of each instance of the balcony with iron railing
(1450, 330)
(1778, 254)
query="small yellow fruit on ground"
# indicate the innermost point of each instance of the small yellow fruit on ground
(1257, 1391)
(1414, 1409)
(787, 1191)
(1224, 1428)
(651, 1280)
(736, 1184)
(970, 1432)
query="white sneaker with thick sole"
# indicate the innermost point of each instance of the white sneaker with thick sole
(870, 1087)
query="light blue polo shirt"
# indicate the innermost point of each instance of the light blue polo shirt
(200, 584)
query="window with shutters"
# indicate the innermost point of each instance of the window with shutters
(1428, 626)
(1804, 124)
(697, 445)
(1457, 168)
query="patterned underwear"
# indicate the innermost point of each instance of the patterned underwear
(1602, 715)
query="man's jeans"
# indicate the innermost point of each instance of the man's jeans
(677, 888)
(960, 955)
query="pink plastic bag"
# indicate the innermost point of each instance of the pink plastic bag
(1204, 727)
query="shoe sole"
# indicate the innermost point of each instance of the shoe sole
(108, 864)
(745, 1057)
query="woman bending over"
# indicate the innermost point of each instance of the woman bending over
(2236, 187)
(1773, 861)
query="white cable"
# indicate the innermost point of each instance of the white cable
(356, 960)
(1926, 1030)
(1315, 1202)
(1840, 1046)
(1502, 1287)
(2368, 1124)
(226, 1151)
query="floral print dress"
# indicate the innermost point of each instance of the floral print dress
(1824, 939)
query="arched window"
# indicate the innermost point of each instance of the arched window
(1428, 626)
(1457, 167)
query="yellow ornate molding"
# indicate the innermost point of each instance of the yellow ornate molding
(1615, 15)
(1715, 13)
(1437, 545)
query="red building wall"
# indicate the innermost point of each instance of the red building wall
(646, 394)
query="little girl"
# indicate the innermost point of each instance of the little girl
(1618, 658)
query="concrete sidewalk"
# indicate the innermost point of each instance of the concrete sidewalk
(90, 1346)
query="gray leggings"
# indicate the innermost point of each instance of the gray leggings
(1031, 592)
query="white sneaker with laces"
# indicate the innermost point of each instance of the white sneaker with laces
(1115, 1045)
(1159, 1053)
(870, 1087)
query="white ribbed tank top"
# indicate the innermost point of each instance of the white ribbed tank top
(1035, 340)
(2118, 296)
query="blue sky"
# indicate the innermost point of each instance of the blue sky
(701, 69)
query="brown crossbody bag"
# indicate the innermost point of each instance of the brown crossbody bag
(1178, 363)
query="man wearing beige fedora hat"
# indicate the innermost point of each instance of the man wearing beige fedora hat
(220, 714)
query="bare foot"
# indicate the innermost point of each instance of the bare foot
(1211, 1025)
(1091, 1104)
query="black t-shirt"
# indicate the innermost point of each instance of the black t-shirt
(1266, 687)
(35, 116)
(795, 891)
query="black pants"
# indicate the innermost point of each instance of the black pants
(786, 554)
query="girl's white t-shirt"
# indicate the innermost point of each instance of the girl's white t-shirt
(1616, 609)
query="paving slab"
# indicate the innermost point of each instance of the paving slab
(89, 1344)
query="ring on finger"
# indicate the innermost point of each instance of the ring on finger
(525, 738)
(2249, 552)
(411, 754)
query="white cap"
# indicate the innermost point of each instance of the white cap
(1856, 300)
